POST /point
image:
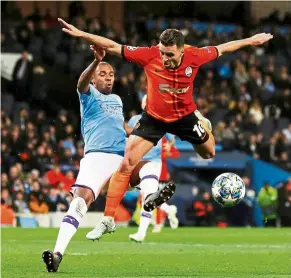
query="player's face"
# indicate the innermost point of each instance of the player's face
(104, 79)
(171, 55)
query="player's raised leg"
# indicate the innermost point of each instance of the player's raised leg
(195, 129)
(149, 182)
(206, 149)
(136, 148)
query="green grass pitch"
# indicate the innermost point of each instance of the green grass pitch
(186, 252)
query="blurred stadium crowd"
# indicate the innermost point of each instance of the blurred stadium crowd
(246, 95)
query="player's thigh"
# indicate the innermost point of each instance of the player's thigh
(136, 148)
(96, 169)
(149, 129)
(193, 130)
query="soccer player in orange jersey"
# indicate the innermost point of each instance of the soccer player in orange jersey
(170, 67)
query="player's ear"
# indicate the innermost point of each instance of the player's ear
(93, 81)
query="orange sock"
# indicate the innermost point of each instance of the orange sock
(117, 188)
(158, 216)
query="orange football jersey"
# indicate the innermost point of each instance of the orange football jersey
(169, 92)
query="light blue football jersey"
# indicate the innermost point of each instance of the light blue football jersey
(155, 153)
(102, 122)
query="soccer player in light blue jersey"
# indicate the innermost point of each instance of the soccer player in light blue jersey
(102, 126)
(104, 133)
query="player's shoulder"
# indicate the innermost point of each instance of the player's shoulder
(91, 92)
(154, 48)
(191, 49)
(152, 51)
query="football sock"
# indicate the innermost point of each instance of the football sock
(145, 220)
(158, 217)
(166, 208)
(117, 188)
(148, 185)
(69, 226)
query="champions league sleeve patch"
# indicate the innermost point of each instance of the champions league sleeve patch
(131, 48)
(208, 50)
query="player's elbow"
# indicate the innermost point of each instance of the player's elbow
(83, 88)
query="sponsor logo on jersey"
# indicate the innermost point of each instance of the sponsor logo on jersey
(165, 88)
(115, 110)
(188, 71)
(131, 48)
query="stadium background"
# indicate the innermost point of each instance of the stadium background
(246, 95)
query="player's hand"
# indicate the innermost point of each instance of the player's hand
(99, 52)
(261, 38)
(70, 29)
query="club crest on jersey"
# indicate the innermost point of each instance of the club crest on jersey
(188, 71)
(131, 48)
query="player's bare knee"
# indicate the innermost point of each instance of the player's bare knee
(85, 194)
(209, 154)
(127, 165)
(206, 153)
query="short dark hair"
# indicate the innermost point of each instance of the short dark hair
(172, 37)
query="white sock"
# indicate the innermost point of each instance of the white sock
(148, 186)
(149, 178)
(166, 208)
(149, 175)
(70, 224)
(144, 223)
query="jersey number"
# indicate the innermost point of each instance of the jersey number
(198, 128)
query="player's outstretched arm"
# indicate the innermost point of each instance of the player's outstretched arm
(110, 46)
(86, 76)
(255, 40)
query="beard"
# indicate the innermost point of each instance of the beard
(171, 64)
